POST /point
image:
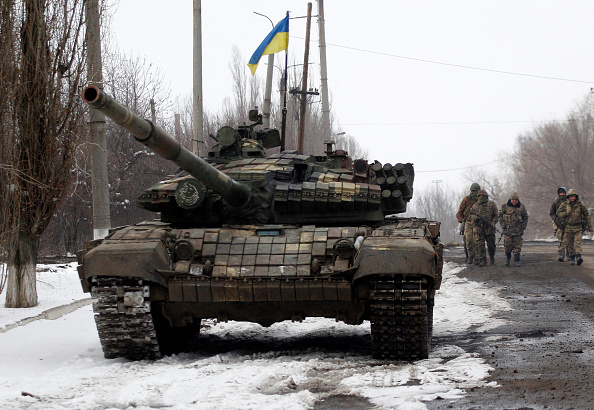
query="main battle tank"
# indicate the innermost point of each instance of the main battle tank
(248, 237)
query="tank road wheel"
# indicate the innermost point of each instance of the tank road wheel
(430, 305)
(124, 322)
(400, 316)
(173, 340)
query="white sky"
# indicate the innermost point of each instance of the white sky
(437, 116)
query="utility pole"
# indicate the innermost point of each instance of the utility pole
(101, 216)
(268, 90)
(437, 183)
(177, 121)
(197, 106)
(268, 93)
(323, 72)
(304, 84)
(153, 112)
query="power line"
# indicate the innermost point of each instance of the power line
(467, 67)
(457, 169)
(450, 123)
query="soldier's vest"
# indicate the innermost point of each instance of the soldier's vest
(511, 218)
(574, 216)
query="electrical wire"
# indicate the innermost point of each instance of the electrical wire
(449, 123)
(457, 169)
(466, 67)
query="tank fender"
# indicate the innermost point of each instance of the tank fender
(392, 256)
(137, 259)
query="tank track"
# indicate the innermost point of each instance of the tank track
(400, 328)
(124, 322)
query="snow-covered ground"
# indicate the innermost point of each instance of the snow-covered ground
(58, 364)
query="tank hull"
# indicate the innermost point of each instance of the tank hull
(173, 278)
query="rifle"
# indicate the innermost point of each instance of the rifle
(489, 224)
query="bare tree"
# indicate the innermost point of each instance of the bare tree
(40, 116)
(132, 168)
(494, 184)
(351, 145)
(554, 154)
(438, 203)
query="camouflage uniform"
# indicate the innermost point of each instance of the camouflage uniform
(513, 218)
(577, 220)
(482, 232)
(558, 222)
(463, 218)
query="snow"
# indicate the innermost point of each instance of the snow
(57, 285)
(59, 364)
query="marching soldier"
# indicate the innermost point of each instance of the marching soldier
(558, 222)
(513, 218)
(465, 225)
(577, 220)
(483, 215)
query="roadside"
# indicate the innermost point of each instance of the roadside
(58, 291)
(543, 357)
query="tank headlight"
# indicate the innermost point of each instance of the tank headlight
(344, 249)
(183, 250)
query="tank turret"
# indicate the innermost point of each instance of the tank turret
(238, 184)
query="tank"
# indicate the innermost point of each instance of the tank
(248, 237)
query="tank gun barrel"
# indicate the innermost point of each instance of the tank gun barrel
(166, 146)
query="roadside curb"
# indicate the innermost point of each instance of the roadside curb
(50, 314)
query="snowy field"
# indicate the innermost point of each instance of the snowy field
(58, 364)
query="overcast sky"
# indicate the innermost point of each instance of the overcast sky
(444, 85)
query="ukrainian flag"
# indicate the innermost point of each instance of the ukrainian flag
(277, 40)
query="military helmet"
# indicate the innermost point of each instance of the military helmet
(514, 195)
(482, 192)
(572, 192)
(475, 187)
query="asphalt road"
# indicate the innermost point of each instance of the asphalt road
(544, 357)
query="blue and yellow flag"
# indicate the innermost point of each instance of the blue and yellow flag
(277, 40)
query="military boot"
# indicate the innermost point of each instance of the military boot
(507, 258)
(470, 260)
(561, 255)
(483, 262)
(492, 259)
(477, 261)
(572, 259)
(517, 260)
(578, 258)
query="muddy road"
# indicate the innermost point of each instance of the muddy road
(544, 356)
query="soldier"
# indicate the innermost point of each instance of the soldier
(465, 225)
(513, 218)
(577, 220)
(483, 215)
(558, 222)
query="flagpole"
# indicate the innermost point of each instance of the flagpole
(277, 40)
(284, 119)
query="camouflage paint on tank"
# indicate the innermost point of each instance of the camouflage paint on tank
(245, 236)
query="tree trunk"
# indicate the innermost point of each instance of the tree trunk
(21, 289)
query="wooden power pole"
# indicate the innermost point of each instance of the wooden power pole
(197, 99)
(101, 215)
(323, 73)
(303, 106)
